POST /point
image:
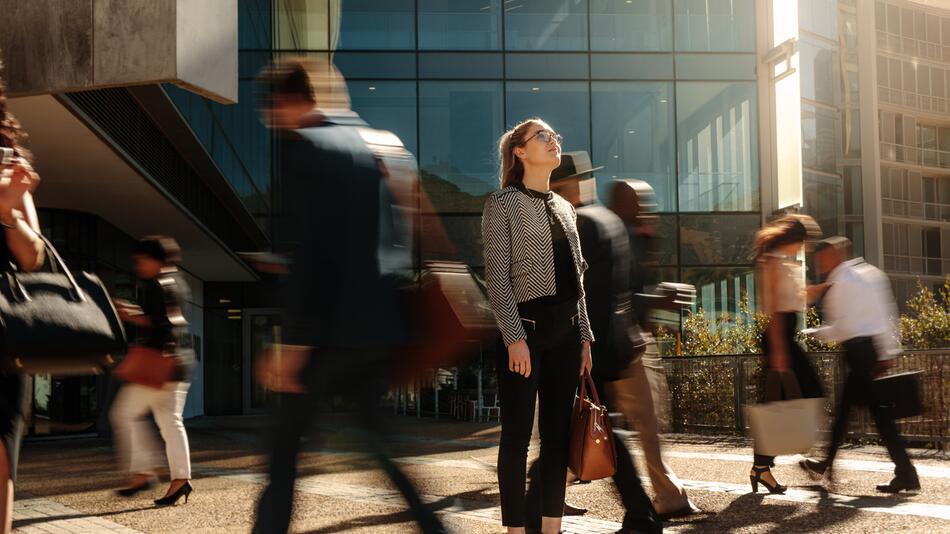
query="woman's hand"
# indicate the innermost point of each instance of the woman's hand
(586, 361)
(816, 291)
(519, 358)
(15, 180)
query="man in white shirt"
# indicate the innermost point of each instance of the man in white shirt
(860, 314)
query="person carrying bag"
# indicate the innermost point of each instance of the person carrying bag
(157, 371)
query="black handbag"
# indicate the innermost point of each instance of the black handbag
(56, 322)
(900, 393)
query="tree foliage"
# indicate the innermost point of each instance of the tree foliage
(927, 325)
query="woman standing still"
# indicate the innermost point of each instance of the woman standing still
(159, 326)
(534, 272)
(20, 249)
(783, 296)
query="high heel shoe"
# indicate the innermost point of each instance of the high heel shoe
(132, 490)
(757, 477)
(168, 500)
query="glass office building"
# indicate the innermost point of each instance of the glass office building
(659, 90)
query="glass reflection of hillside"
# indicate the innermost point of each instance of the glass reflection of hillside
(451, 223)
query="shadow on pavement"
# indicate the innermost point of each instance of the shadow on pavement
(23, 523)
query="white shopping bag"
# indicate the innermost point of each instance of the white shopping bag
(784, 427)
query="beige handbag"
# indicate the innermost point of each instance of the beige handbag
(784, 426)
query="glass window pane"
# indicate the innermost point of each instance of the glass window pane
(618, 25)
(547, 66)
(821, 146)
(546, 25)
(460, 65)
(631, 66)
(301, 24)
(819, 16)
(370, 24)
(714, 25)
(375, 65)
(720, 291)
(717, 239)
(819, 70)
(715, 67)
(254, 25)
(634, 136)
(460, 123)
(717, 146)
(459, 24)
(387, 105)
(563, 105)
(453, 238)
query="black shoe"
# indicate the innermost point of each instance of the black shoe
(900, 484)
(815, 468)
(185, 490)
(755, 478)
(687, 510)
(132, 490)
(570, 510)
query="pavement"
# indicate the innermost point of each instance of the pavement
(66, 486)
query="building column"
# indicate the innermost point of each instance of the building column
(870, 135)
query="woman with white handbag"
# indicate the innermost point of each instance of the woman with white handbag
(782, 296)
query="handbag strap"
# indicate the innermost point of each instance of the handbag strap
(588, 382)
(58, 265)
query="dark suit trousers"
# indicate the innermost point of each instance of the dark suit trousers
(859, 391)
(349, 374)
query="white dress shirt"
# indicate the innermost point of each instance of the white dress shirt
(859, 303)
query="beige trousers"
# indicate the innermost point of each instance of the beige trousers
(633, 396)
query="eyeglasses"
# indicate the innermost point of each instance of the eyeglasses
(545, 136)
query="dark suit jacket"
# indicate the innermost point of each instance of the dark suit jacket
(606, 248)
(337, 295)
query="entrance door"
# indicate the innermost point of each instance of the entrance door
(261, 329)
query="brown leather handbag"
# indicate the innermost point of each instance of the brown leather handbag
(149, 367)
(592, 454)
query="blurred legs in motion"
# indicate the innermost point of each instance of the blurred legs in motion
(358, 377)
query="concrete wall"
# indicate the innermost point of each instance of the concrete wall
(53, 46)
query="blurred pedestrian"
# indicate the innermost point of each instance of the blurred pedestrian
(860, 314)
(20, 249)
(157, 371)
(342, 317)
(633, 202)
(534, 272)
(783, 296)
(606, 249)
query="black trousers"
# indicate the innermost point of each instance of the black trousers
(804, 372)
(555, 345)
(357, 376)
(639, 513)
(859, 391)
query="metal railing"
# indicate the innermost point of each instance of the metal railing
(709, 393)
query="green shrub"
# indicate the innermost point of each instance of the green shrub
(927, 326)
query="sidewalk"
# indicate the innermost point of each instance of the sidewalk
(65, 486)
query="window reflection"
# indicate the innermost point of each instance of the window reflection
(546, 25)
(370, 24)
(717, 146)
(563, 105)
(633, 135)
(459, 24)
(714, 25)
(387, 105)
(717, 239)
(618, 25)
(301, 25)
(459, 127)
(721, 290)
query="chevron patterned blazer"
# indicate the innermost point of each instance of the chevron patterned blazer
(519, 256)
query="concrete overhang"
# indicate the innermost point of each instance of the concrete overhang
(55, 46)
(81, 172)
